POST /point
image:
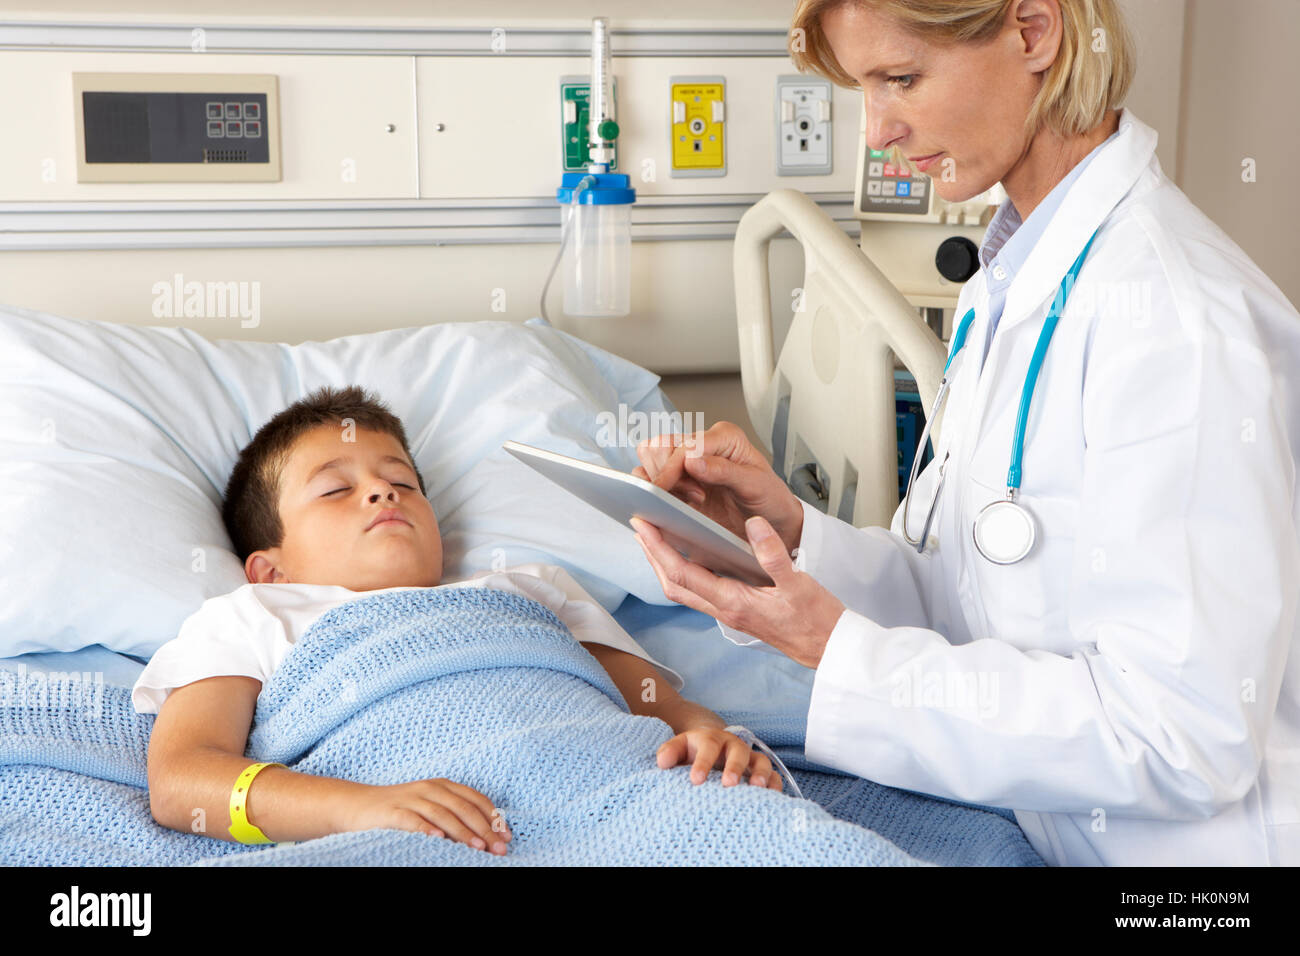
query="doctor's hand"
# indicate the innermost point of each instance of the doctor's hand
(720, 474)
(795, 616)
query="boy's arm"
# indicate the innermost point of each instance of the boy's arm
(196, 754)
(637, 680)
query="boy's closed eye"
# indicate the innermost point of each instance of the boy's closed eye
(337, 490)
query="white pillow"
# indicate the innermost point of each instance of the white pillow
(116, 442)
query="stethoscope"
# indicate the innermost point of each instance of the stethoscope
(1004, 530)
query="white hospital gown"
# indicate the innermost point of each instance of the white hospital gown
(249, 631)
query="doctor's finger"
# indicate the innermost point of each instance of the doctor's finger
(673, 593)
(654, 453)
(663, 459)
(683, 580)
(687, 489)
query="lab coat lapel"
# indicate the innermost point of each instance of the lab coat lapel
(1106, 181)
(1109, 176)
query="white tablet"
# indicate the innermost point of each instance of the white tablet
(623, 496)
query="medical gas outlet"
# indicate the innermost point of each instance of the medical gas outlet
(803, 126)
(699, 117)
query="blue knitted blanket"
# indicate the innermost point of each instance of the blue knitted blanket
(484, 687)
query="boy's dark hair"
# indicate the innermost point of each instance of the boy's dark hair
(251, 505)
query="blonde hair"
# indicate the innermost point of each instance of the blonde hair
(1092, 73)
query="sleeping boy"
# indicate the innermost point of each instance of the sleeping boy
(324, 504)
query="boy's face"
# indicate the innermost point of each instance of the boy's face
(329, 517)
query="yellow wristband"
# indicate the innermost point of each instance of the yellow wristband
(240, 827)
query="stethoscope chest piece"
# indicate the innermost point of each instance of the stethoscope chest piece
(1004, 532)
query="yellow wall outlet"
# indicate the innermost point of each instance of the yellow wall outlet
(699, 125)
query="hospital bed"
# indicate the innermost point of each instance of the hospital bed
(116, 442)
(827, 405)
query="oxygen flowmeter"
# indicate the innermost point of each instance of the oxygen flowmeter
(596, 207)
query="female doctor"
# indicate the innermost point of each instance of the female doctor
(1105, 649)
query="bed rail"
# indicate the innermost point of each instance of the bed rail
(826, 408)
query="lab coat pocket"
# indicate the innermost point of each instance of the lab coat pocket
(1025, 604)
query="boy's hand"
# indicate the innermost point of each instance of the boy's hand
(707, 747)
(438, 807)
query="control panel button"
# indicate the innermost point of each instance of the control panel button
(233, 111)
(252, 129)
(215, 111)
(873, 187)
(216, 129)
(252, 111)
(875, 169)
(887, 187)
(234, 128)
(891, 170)
(918, 188)
(904, 189)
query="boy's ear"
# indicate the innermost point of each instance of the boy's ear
(261, 568)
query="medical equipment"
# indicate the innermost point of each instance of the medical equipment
(596, 240)
(910, 416)
(803, 134)
(177, 127)
(623, 496)
(699, 125)
(1004, 530)
(926, 245)
(596, 219)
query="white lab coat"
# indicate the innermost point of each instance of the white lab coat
(1127, 689)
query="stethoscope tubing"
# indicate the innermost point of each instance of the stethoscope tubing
(1015, 470)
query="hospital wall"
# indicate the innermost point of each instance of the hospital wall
(420, 163)
(1240, 118)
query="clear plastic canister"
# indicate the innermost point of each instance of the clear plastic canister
(597, 263)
